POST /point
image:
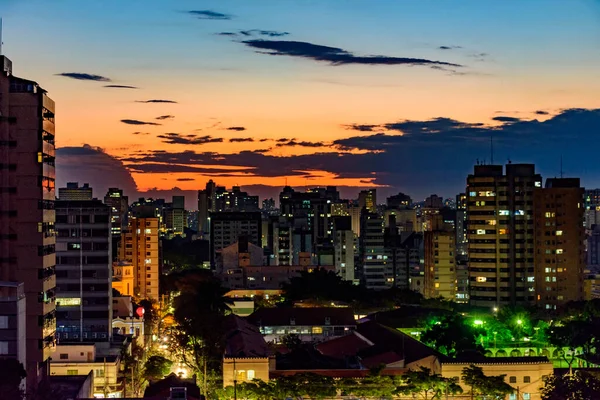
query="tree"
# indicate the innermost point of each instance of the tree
(291, 341)
(200, 311)
(483, 386)
(157, 367)
(573, 334)
(10, 378)
(428, 385)
(452, 335)
(579, 386)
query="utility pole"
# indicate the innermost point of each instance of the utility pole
(234, 381)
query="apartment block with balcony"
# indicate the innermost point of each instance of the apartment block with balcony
(141, 248)
(27, 194)
(500, 234)
(559, 242)
(83, 271)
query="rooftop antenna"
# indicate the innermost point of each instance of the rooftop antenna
(492, 148)
(561, 167)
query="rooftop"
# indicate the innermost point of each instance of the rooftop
(319, 316)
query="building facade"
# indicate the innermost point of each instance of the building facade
(501, 234)
(559, 242)
(27, 194)
(75, 192)
(440, 268)
(119, 209)
(141, 248)
(226, 228)
(83, 271)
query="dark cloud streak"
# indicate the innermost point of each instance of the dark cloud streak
(82, 76)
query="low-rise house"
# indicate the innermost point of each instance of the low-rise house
(246, 353)
(525, 374)
(310, 324)
(103, 359)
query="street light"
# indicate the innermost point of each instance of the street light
(519, 322)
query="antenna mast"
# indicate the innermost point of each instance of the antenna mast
(561, 166)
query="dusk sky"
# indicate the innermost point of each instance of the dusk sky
(402, 95)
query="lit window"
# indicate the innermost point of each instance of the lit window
(437, 285)
(503, 212)
(550, 215)
(317, 330)
(547, 270)
(559, 251)
(491, 222)
(68, 301)
(148, 231)
(472, 194)
(250, 374)
(481, 279)
(538, 184)
(558, 233)
(148, 261)
(502, 231)
(519, 212)
(481, 231)
(530, 279)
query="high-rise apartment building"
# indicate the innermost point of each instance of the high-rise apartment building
(119, 205)
(368, 199)
(440, 269)
(373, 254)
(227, 227)
(399, 201)
(501, 234)
(175, 216)
(559, 242)
(140, 248)
(75, 192)
(27, 194)
(83, 271)
(343, 243)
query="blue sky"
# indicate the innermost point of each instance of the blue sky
(515, 57)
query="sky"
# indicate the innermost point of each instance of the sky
(157, 97)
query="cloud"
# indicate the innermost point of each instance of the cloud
(264, 140)
(208, 14)
(449, 47)
(502, 118)
(156, 101)
(361, 127)
(140, 133)
(236, 128)
(165, 117)
(254, 32)
(241, 139)
(414, 156)
(332, 55)
(82, 76)
(92, 165)
(137, 122)
(540, 112)
(293, 142)
(176, 138)
(120, 87)
(185, 179)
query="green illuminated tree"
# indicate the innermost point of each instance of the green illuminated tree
(485, 387)
(452, 335)
(157, 367)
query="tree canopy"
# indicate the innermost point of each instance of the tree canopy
(579, 386)
(483, 386)
(157, 367)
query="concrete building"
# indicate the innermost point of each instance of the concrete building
(559, 242)
(525, 374)
(119, 205)
(27, 194)
(175, 216)
(13, 339)
(83, 271)
(140, 248)
(343, 243)
(501, 234)
(227, 227)
(103, 361)
(399, 201)
(368, 199)
(440, 268)
(123, 279)
(373, 256)
(75, 192)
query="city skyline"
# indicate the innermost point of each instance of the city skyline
(395, 95)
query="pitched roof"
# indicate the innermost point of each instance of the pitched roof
(163, 387)
(344, 346)
(284, 316)
(243, 339)
(386, 339)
